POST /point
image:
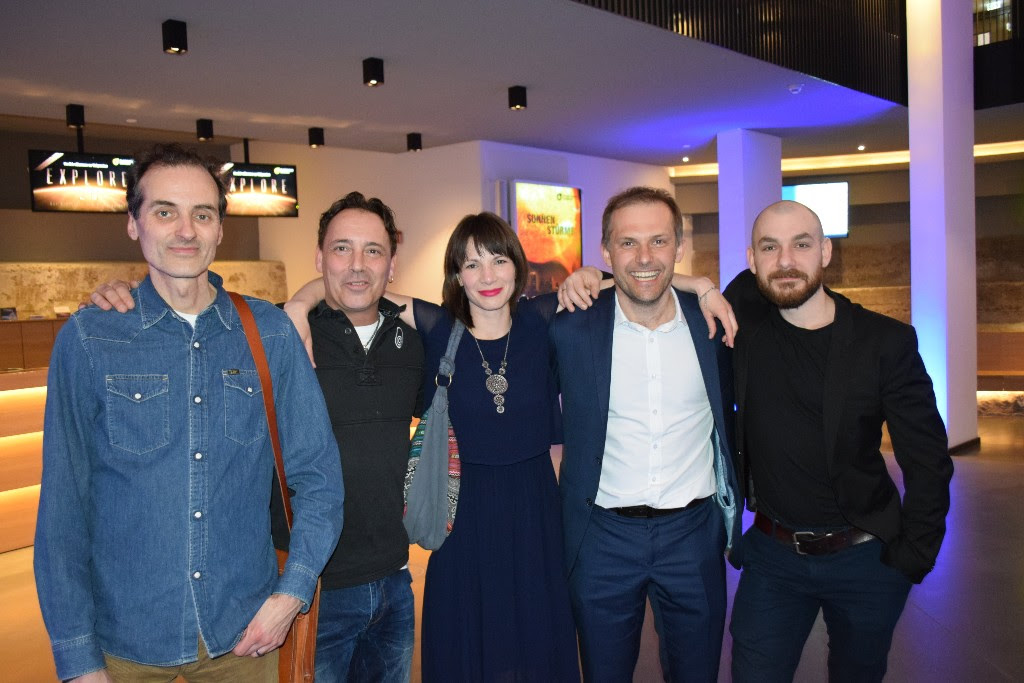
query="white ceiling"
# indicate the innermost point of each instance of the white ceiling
(598, 84)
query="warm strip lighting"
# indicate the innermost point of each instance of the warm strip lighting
(21, 460)
(18, 508)
(22, 410)
(989, 149)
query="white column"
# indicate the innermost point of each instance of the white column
(943, 267)
(749, 179)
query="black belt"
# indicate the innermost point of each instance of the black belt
(811, 542)
(647, 512)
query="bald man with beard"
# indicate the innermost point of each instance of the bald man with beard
(816, 376)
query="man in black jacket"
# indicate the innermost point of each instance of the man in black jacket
(815, 377)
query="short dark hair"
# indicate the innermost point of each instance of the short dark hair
(173, 154)
(492, 235)
(640, 195)
(356, 200)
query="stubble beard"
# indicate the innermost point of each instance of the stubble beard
(644, 303)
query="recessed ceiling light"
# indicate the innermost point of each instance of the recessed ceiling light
(861, 148)
(131, 120)
(796, 88)
(686, 159)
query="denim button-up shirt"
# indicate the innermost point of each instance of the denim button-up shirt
(154, 520)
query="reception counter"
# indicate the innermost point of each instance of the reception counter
(38, 290)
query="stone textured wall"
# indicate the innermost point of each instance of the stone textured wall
(35, 288)
(877, 276)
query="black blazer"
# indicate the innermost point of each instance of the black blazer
(874, 374)
(581, 344)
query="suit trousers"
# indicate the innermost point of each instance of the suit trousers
(778, 599)
(677, 561)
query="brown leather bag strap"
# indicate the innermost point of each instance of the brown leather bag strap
(252, 335)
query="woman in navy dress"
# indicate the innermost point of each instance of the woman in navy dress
(496, 603)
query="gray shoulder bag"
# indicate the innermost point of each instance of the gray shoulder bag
(432, 475)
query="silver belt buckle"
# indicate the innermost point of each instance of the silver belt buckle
(810, 536)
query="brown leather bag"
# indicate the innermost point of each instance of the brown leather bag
(296, 658)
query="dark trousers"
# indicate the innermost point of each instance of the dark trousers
(677, 561)
(778, 599)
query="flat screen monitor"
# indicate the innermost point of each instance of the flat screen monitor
(548, 221)
(261, 190)
(69, 181)
(831, 201)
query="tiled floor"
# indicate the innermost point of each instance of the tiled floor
(964, 623)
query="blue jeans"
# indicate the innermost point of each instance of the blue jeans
(367, 632)
(778, 599)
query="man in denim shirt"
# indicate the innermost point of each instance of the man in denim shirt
(153, 550)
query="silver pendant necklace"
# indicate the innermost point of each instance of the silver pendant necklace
(497, 384)
(366, 346)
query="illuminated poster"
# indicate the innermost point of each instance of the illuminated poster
(67, 181)
(261, 190)
(549, 223)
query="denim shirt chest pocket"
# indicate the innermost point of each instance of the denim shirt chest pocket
(245, 418)
(138, 417)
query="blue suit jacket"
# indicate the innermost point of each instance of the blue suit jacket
(581, 348)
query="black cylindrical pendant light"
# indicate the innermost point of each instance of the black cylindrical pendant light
(204, 129)
(373, 71)
(517, 97)
(175, 37)
(75, 115)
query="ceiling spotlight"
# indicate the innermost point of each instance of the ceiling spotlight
(517, 97)
(175, 37)
(74, 114)
(373, 71)
(414, 142)
(204, 129)
(316, 137)
(686, 160)
(861, 148)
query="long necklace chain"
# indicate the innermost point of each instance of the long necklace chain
(366, 346)
(497, 384)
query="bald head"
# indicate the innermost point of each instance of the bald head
(788, 253)
(793, 213)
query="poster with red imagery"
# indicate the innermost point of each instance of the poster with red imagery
(550, 227)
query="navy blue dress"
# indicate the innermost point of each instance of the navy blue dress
(496, 602)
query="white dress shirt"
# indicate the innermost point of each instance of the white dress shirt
(658, 450)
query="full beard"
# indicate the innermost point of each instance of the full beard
(790, 297)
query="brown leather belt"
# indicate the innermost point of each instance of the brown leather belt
(647, 512)
(810, 542)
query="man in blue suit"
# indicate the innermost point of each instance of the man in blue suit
(648, 489)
